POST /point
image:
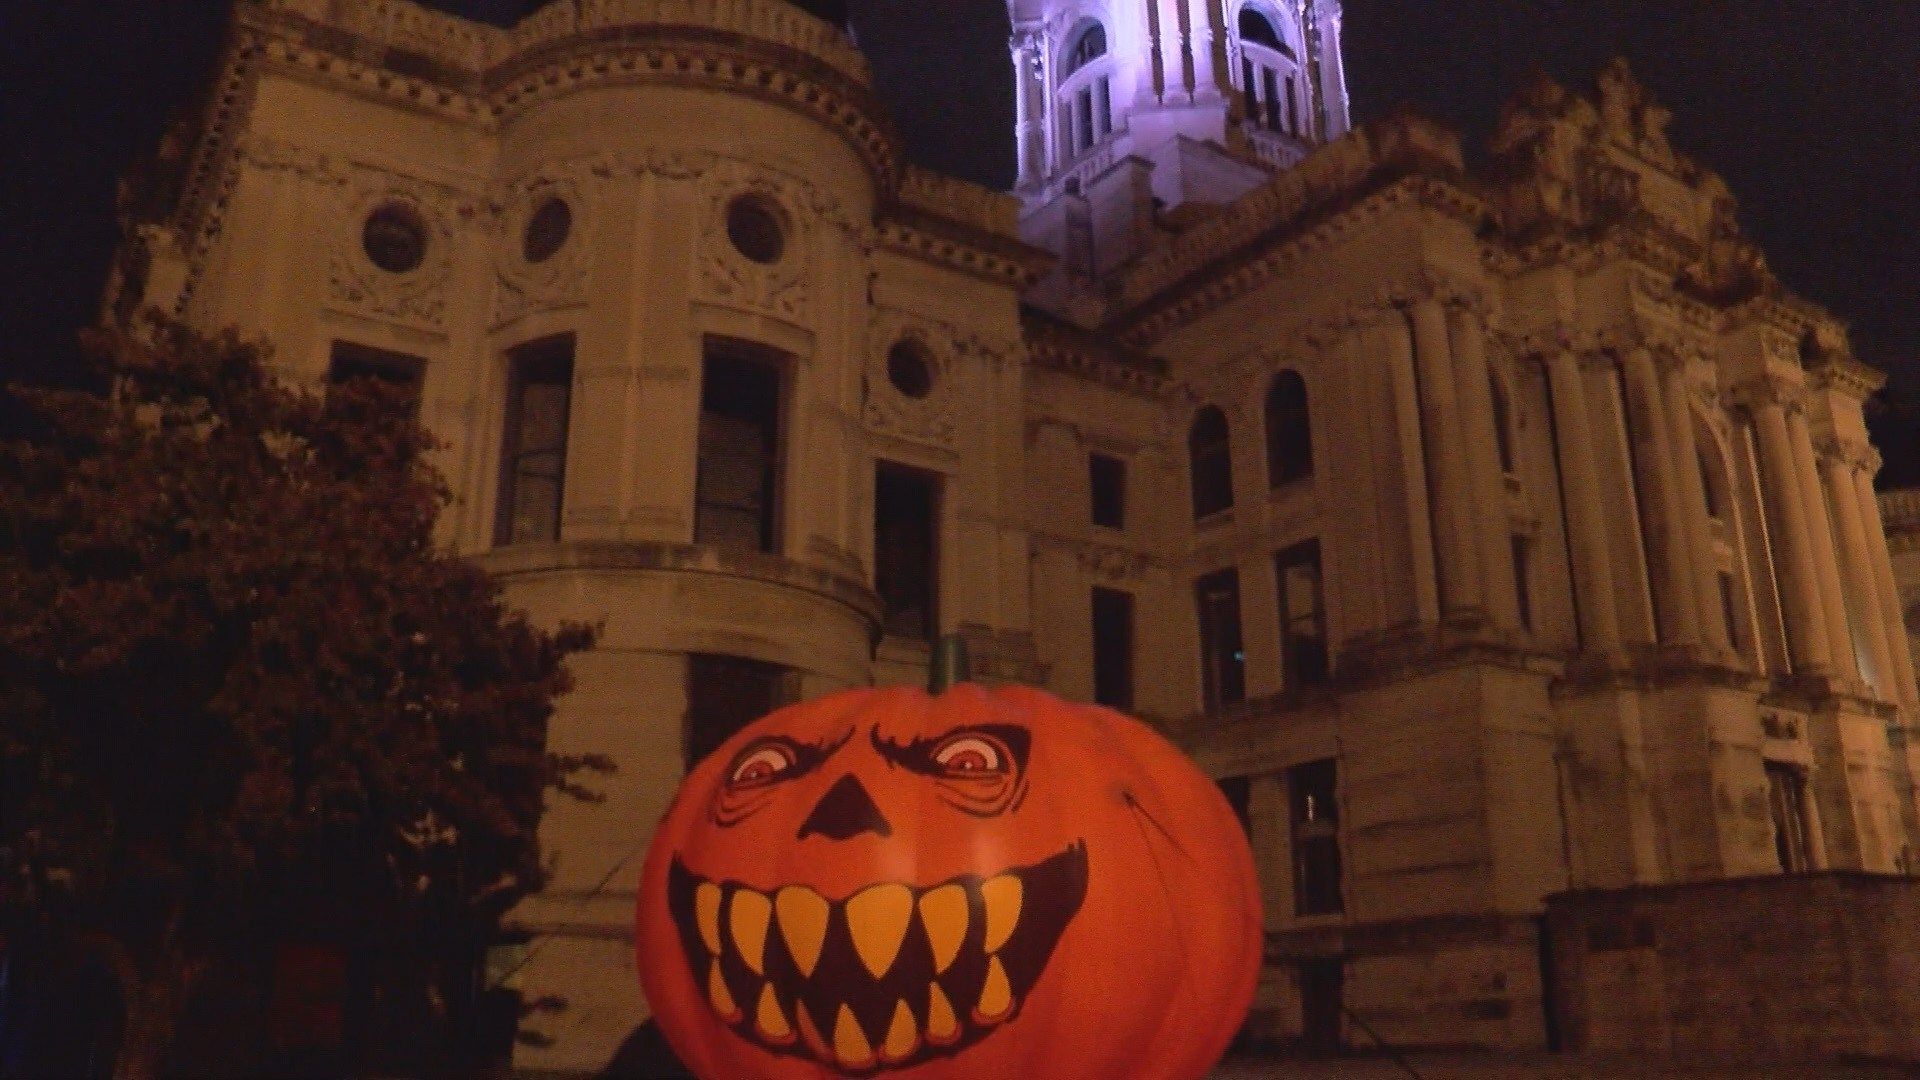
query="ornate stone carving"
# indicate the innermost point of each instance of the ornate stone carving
(887, 411)
(417, 297)
(563, 279)
(783, 288)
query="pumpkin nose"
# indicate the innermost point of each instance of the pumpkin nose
(845, 811)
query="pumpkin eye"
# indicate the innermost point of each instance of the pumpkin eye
(972, 755)
(761, 764)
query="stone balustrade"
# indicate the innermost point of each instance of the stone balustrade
(477, 48)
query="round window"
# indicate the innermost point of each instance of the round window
(754, 227)
(395, 238)
(910, 368)
(547, 231)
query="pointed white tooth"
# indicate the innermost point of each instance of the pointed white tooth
(1002, 896)
(878, 918)
(721, 998)
(943, 911)
(803, 923)
(850, 1043)
(769, 1019)
(942, 1026)
(706, 914)
(903, 1038)
(747, 919)
(996, 994)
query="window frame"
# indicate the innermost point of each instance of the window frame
(1126, 603)
(1223, 671)
(559, 351)
(1288, 424)
(1108, 511)
(1310, 830)
(1294, 673)
(745, 354)
(1215, 495)
(930, 600)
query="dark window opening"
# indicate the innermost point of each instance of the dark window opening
(1304, 656)
(1710, 491)
(1091, 45)
(736, 490)
(1523, 580)
(1212, 463)
(1113, 648)
(725, 694)
(1223, 659)
(534, 442)
(906, 508)
(1730, 611)
(1239, 793)
(1502, 423)
(1083, 124)
(1256, 28)
(1792, 826)
(1315, 812)
(1108, 478)
(351, 362)
(1270, 87)
(1103, 107)
(1289, 430)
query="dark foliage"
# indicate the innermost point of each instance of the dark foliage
(244, 695)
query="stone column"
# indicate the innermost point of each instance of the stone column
(1810, 647)
(1413, 458)
(1826, 561)
(1446, 455)
(1585, 506)
(1489, 483)
(1837, 470)
(1023, 134)
(1670, 533)
(1890, 606)
(1691, 528)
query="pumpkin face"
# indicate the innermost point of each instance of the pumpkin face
(980, 884)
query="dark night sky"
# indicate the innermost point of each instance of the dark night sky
(1810, 108)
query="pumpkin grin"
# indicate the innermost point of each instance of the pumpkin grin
(891, 976)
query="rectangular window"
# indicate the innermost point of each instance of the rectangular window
(1113, 648)
(1270, 86)
(906, 509)
(350, 361)
(1250, 87)
(1315, 812)
(725, 694)
(1103, 107)
(1792, 828)
(533, 466)
(1223, 660)
(1239, 793)
(1084, 121)
(1304, 658)
(1523, 580)
(1293, 107)
(737, 487)
(1730, 611)
(1107, 476)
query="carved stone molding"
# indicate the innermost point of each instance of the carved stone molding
(930, 420)
(563, 279)
(416, 298)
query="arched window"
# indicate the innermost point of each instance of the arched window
(1084, 104)
(1257, 28)
(1289, 430)
(1270, 74)
(1212, 458)
(1091, 45)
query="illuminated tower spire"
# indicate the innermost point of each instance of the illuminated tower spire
(1210, 95)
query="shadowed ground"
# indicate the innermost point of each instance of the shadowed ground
(1541, 1067)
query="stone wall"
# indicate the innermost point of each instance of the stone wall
(1803, 967)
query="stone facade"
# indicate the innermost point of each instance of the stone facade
(1489, 535)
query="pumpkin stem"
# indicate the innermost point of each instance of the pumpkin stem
(950, 665)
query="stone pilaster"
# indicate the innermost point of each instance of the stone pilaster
(1809, 644)
(1585, 506)
(1826, 561)
(1459, 558)
(1406, 409)
(1837, 469)
(1669, 533)
(1488, 480)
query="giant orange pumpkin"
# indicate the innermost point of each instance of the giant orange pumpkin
(984, 883)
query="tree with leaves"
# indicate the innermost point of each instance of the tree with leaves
(245, 697)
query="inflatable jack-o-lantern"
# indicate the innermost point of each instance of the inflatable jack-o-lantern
(980, 883)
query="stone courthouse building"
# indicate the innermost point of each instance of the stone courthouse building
(1491, 534)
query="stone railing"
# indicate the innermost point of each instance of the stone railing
(1402, 142)
(1901, 510)
(476, 47)
(959, 200)
(1277, 150)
